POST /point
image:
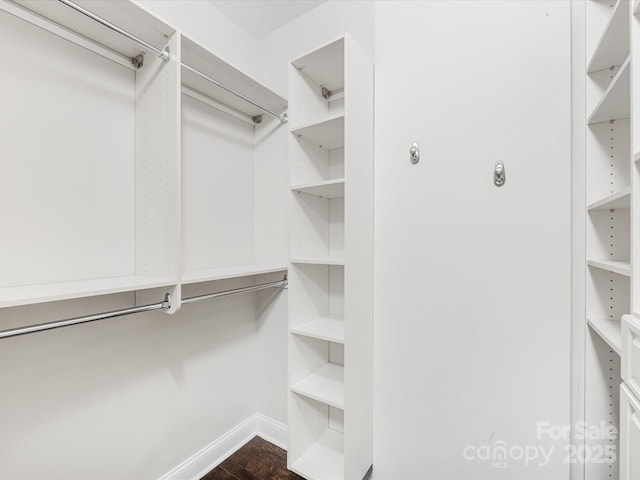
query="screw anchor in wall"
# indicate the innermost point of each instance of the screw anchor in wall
(499, 175)
(414, 153)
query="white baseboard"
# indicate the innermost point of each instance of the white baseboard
(217, 451)
(271, 430)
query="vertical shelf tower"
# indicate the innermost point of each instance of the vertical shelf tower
(608, 234)
(630, 348)
(612, 176)
(331, 262)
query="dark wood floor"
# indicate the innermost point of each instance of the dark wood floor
(256, 460)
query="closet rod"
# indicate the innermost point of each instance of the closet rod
(163, 54)
(41, 327)
(280, 283)
(283, 118)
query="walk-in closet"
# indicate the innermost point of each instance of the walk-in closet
(320, 240)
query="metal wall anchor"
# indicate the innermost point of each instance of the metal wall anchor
(414, 153)
(499, 176)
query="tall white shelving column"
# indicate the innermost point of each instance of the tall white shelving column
(608, 219)
(630, 352)
(331, 262)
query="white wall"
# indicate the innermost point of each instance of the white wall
(472, 282)
(128, 398)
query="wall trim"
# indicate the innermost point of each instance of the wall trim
(217, 451)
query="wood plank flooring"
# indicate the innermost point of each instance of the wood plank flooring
(256, 460)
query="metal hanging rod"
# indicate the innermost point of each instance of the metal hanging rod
(283, 118)
(163, 54)
(280, 283)
(41, 327)
(166, 304)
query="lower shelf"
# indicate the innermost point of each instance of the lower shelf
(324, 460)
(223, 273)
(52, 292)
(324, 328)
(621, 267)
(325, 385)
(609, 330)
(330, 260)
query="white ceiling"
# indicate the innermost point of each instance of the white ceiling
(260, 17)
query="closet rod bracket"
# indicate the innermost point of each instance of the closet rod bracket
(166, 303)
(163, 54)
(138, 61)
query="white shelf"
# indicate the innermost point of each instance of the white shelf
(614, 104)
(319, 260)
(51, 292)
(325, 189)
(325, 385)
(327, 133)
(613, 46)
(621, 267)
(609, 330)
(325, 66)
(205, 62)
(636, 157)
(323, 328)
(621, 199)
(126, 15)
(223, 273)
(324, 460)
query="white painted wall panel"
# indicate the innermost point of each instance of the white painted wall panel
(67, 155)
(472, 281)
(218, 188)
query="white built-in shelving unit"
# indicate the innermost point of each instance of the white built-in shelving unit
(630, 336)
(331, 262)
(611, 191)
(234, 173)
(90, 177)
(123, 176)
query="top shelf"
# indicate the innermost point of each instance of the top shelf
(126, 15)
(205, 62)
(324, 66)
(613, 46)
